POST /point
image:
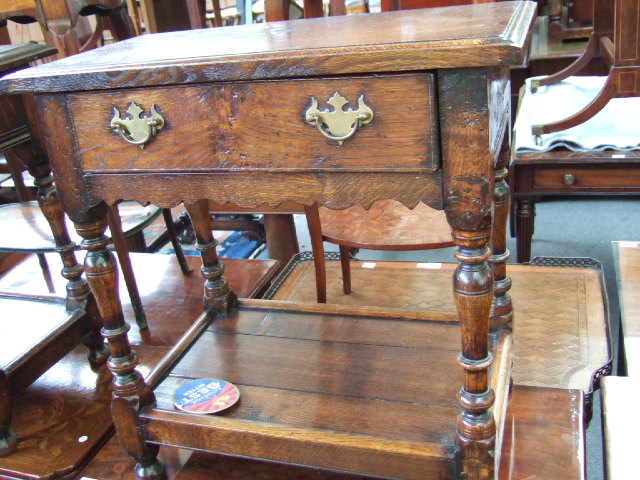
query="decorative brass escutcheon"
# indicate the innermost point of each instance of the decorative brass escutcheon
(568, 179)
(338, 124)
(136, 128)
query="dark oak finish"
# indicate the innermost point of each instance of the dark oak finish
(70, 401)
(469, 61)
(544, 439)
(566, 299)
(14, 131)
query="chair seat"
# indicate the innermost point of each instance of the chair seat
(387, 225)
(25, 228)
(42, 335)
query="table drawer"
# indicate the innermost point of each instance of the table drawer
(261, 126)
(570, 177)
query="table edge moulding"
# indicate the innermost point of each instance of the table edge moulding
(189, 135)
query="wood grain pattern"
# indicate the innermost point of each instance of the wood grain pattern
(544, 439)
(394, 41)
(63, 418)
(565, 360)
(544, 435)
(168, 318)
(294, 369)
(260, 127)
(387, 225)
(470, 118)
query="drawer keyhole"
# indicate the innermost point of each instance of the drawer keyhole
(568, 179)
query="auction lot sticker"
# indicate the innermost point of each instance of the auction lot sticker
(206, 396)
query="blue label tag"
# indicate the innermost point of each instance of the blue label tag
(206, 396)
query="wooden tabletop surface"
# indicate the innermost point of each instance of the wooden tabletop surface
(484, 34)
(568, 301)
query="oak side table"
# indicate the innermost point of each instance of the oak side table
(409, 105)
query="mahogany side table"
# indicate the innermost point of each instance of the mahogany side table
(409, 105)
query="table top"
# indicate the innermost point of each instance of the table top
(450, 37)
(17, 56)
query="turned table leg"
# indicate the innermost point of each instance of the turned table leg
(473, 293)
(502, 315)
(78, 291)
(525, 215)
(218, 296)
(130, 393)
(469, 197)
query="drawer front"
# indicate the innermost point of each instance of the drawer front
(577, 178)
(261, 126)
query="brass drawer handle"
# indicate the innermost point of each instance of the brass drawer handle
(338, 124)
(568, 179)
(136, 128)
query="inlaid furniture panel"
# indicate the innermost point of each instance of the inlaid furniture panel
(563, 294)
(467, 51)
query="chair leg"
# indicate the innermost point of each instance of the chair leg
(173, 236)
(525, 215)
(345, 263)
(46, 273)
(120, 242)
(8, 441)
(315, 232)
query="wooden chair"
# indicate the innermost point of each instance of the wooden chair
(387, 225)
(48, 328)
(170, 15)
(616, 39)
(58, 19)
(570, 20)
(561, 172)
